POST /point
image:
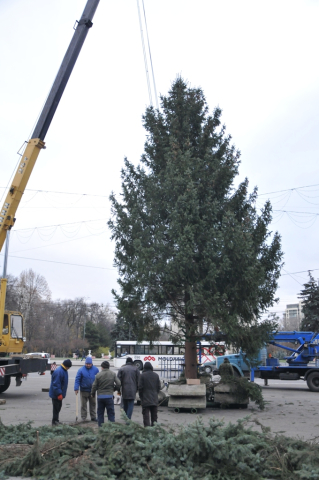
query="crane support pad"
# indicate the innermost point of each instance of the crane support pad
(289, 376)
(23, 366)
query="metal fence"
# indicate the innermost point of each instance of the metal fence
(170, 369)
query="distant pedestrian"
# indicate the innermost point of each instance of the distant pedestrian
(77, 353)
(148, 387)
(58, 388)
(83, 381)
(83, 355)
(105, 382)
(129, 376)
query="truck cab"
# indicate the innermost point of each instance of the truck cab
(239, 363)
(12, 339)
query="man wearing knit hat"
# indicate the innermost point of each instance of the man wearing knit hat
(105, 383)
(83, 381)
(148, 387)
(129, 375)
(58, 388)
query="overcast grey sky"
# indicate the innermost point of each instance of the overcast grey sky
(257, 60)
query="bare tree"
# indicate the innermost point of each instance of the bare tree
(32, 290)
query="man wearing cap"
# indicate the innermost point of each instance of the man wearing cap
(105, 383)
(148, 387)
(129, 376)
(58, 388)
(83, 381)
(226, 370)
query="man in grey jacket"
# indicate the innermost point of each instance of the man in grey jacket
(148, 387)
(104, 383)
(129, 376)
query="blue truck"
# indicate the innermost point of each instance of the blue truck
(300, 364)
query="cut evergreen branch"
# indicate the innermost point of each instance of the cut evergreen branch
(244, 389)
(118, 451)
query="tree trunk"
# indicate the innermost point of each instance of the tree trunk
(190, 360)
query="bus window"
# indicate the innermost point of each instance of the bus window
(147, 349)
(118, 351)
(182, 350)
(132, 349)
(139, 349)
(169, 350)
(154, 350)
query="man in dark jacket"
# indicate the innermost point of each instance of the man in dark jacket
(84, 380)
(105, 382)
(148, 387)
(226, 370)
(58, 388)
(129, 376)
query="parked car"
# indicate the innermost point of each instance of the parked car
(208, 367)
(39, 354)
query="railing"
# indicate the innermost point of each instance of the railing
(170, 369)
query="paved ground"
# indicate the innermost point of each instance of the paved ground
(291, 408)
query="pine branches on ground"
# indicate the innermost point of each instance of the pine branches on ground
(121, 451)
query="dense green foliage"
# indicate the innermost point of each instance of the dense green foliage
(189, 245)
(310, 305)
(119, 451)
(122, 330)
(244, 389)
(92, 336)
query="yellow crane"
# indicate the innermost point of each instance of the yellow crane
(11, 323)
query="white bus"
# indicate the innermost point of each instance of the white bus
(162, 352)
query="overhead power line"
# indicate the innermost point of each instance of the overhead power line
(107, 196)
(302, 271)
(63, 263)
(145, 54)
(288, 189)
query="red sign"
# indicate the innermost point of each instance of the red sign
(148, 359)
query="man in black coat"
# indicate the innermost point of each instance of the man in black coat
(148, 387)
(129, 375)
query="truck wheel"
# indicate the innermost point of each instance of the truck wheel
(208, 369)
(313, 381)
(139, 364)
(7, 381)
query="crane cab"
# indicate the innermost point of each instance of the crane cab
(12, 337)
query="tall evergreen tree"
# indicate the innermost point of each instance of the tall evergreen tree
(92, 336)
(123, 329)
(310, 305)
(188, 244)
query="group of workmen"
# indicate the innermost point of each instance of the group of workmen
(91, 382)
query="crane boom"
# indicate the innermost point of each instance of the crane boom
(27, 162)
(16, 190)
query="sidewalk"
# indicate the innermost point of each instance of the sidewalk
(77, 362)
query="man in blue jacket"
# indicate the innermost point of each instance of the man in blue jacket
(58, 388)
(83, 381)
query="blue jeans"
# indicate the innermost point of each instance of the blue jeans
(102, 404)
(128, 407)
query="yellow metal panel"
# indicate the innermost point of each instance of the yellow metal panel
(19, 183)
(3, 291)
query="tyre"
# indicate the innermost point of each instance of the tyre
(7, 381)
(313, 381)
(139, 364)
(208, 369)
